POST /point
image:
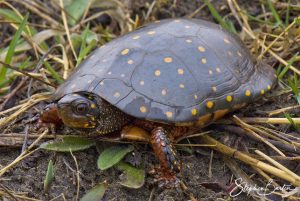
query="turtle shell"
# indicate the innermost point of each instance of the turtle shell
(173, 71)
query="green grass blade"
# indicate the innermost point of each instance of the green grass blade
(86, 50)
(218, 17)
(256, 19)
(274, 13)
(25, 63)
(290, 119)
(53, 73)
(294, 83)
(286, 68)
(12, 46)
(83, 45)
(287, 14)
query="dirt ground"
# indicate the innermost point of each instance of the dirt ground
(27, 177)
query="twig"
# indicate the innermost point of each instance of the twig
(228, 151)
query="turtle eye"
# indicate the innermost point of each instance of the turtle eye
(81, 108)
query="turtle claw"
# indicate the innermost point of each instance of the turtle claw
(168, 182)
(164, 179)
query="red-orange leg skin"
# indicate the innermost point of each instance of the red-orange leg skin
(179, 131)
(165, 152)
(50, 115)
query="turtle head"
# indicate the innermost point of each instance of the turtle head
(86, 111)
(78, 111)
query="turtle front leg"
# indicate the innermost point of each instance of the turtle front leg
(167, 156)
(163, 149)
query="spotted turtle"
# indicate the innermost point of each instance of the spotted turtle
(166, 78)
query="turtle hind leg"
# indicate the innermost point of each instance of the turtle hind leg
(166, 154)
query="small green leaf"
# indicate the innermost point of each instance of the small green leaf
(112, 156)
(91, 36)
(133, 177)
(69, 143)
(96, 193)
(76, 40)
(75, 10)
(49, 176)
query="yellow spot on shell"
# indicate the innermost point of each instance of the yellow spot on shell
(214, 89)
(228, 98)
(86, 125)
(248, 93)
(151, 32)
(262, 92)
(157, 73)
(181, 86)
(169, 114)
(218, 70)
(203, 60)
(195, 97)
(210, 72)
(168, 59)
(180, 71)
(209, 104)
(143, 109)
(130, 61)
(194, 112)
(269, 87)
(135, 37)
(92, 118)
(201, 49)
(163, 92)
(117, 94)
(125, 51)
(142, 82)
(226, 40)
(93, 105)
